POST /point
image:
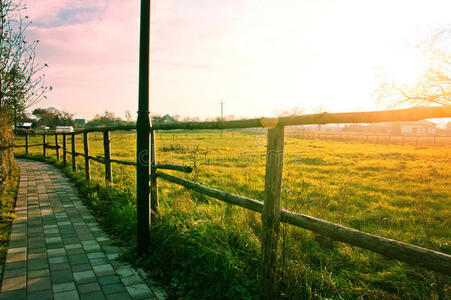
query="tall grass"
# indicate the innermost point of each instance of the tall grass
(205, 249)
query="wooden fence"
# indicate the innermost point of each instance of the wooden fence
(270, 209)
(377, 138)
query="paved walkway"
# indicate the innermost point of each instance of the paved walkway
(57, 249)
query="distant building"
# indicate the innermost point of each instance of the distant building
(64, 129)
(43, 127)
(418, 128)
(80, 122)
(24, 125)
(399, 128)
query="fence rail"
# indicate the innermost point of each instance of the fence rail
(378, 138)
(272, 215)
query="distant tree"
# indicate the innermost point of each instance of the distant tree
(189, 119)
(52, 117)
(107, 119)
(22, 80)
(230, 117)
(155, 118)
(294, 111)
(434, 87)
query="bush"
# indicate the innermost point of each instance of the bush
(9, 179)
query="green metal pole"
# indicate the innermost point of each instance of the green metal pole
(142, 132)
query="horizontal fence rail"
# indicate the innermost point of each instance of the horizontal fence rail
(397, 115)
(423, 257)
(270, 208)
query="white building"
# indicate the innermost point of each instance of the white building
(418, 128)
(24, 125)
(64, 129)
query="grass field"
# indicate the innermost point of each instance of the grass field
(395, 191)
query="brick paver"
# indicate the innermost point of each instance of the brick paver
(57, 249)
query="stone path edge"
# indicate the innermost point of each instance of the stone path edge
(55, 242)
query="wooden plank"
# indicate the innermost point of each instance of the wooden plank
(423, 257)
(44, 145)
(86, 154)
(32, 145)
(411, 254)
(409, 114)
(241, 201)
(154, 201)
(185, 169)
(271, 213)
(123, 162)
(108, 128)
(57, 148)
(107, 152)
(26, 144)
(74, 154)
(64, 150)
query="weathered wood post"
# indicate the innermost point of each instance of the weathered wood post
(26, 143)
(74, 155)
(57, 148)
(107, 151)
(154, 202)
(271, 212)
(86, 148)
(142, 133)
(64, 150)
(44, 145)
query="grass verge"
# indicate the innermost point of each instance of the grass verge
(195, 255)
(7, 204)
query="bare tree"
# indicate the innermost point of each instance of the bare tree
(22, 80)
(434, 87)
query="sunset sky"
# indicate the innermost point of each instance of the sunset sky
(259, 56)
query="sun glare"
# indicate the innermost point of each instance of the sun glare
(405, 66)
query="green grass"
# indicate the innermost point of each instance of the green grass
(205, 249)
(8, 195)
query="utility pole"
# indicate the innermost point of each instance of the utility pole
(222, 113)
(222, 110)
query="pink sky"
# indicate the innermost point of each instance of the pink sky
(259, 56)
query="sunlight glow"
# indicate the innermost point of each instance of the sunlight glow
(405, 66)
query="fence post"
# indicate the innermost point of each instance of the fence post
(64, 150)
(26, 143)
(86, 148)
(107, 151)
(57, 148)
(74, 155)
(271, 212)
(154, 201)
(44, 144)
